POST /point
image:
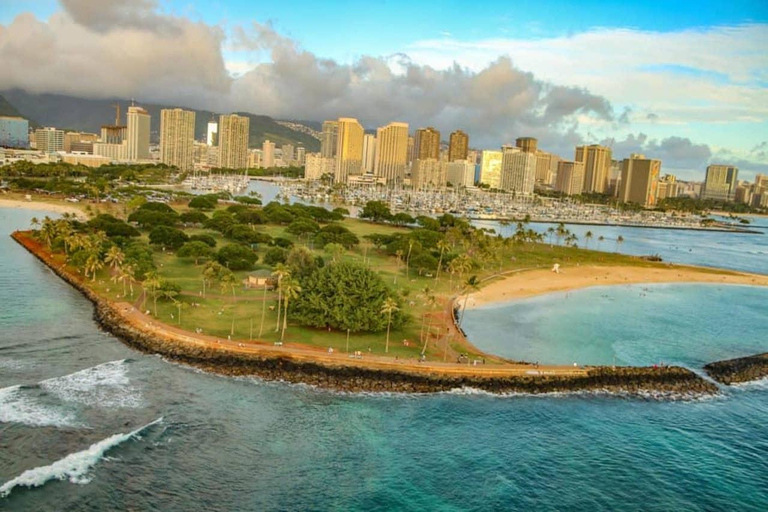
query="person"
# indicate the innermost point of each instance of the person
(330, 350)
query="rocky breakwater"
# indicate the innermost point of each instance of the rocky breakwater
(642, 381)
(741, 369)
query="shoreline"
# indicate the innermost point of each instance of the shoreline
(41, 206)
(745, 230)
(538, 282)
(372, 374)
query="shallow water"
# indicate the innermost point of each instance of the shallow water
(135, 432)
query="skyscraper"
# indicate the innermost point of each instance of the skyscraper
(287, 150)
(392, 152)
(301, 155)
(426, 144)
(527, 144)
(490, 169)
(369, 152)
(267, 154)
(212, 134)
(639, 180)
(137, 134)
(14, 132)
(597, 167)
(570, 177)
(721, 182)
(233, 141)
(49, 140)
(428, 173)
(177, 138)
(546, 167)
(518, 170)
(349, 149)
(458, 146)
(460, 173)
(329, 139)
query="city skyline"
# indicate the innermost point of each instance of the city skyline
(688, 109)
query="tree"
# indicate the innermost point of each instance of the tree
(335, 251)
(193, 217)
(344, 296)
(387, 308)
(126, 273)
(301, 262)
(197, 250)
(472, 284)
(281, 272)
(301, 227)
(228, 280)
(377, 211)
(114, 257)
(619, 241)
(168, 237)
(152, 283)
(92, 265)
(600, 240)
(402, 219)
(291, 290)
(204, 202)
(275, 255)
(236, 257)
(211, 272)
(587, 237)
(336, 233)
(442, 246)
(206, 239)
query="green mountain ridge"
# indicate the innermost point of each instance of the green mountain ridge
(89, 115)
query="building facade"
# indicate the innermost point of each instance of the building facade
(546, 167)
(316, 166)
(369, 152)
(570, 177)
(392, 152)
(49, 140)
(233, 135)
(137, 134)
(458, 146)
(527, 144)
(14, 132)
(428, 174)
(426, 144)
(518, 171)
(267, 154)
(349, 149)
(177, 138)
(597, 167)
(721, 182)
(329, 139)
(490, 169)
(460, 173)
(639, 180)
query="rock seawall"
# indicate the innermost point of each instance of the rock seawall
(666, 381)
(741, 369)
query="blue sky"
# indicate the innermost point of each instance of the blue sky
(688, 80)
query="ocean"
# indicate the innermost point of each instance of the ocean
(89, 424)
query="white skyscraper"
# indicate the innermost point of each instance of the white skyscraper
(211, 137)
(518, 170)
(268, 154)
(137, 134)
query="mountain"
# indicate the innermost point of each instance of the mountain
(73, 113)
(6, 109)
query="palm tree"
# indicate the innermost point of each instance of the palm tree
(263, 310)
(114, 257)
(431, 301)
(472, 284)
(550, 232)
(408, 260)
(291, 290)
(619, 241)
(34, 222)
(180, 306)
(387, 308)
(210, 272)
(125, 274)
(92, 265)
(587, 237)
(152, 282)
(442, 246)
(281, 272)
(48, 231)
(228, 280)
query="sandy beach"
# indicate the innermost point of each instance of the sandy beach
(543, 281)
(41, 206)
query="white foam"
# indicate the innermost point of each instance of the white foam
(104, 385)
(74, 467)
(17, 408)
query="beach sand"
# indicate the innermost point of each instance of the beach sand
(42, 206)
(542, 281)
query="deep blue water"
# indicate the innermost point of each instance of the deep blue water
(242, 444)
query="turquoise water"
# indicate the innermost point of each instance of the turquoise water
(206, 442)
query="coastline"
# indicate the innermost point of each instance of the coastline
(744, 230)
(372, 374)
(41, 206)
(543, 281)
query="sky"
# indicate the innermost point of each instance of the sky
(686, 82)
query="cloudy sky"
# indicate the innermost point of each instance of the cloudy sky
(686, 82)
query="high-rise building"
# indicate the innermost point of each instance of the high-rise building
(317, 166)
(597, 167)
(267, 154)
(490, 169)
(349, 149)
(570, 177)
(460, 173)
(177, 138)
(639, 180)
(233, 135)
(212, 133)
(288, 155)
(546, 167)
(369, 152)
(329, 139)
(411, 147)
(79, 141)
(392, 152)
(14, 132)
(721, 182)
(429, 173)
(518, 170)
(458, 146)
(137, 134)
(301, 155)
(667, 187)
(49, 140)
(426, 144)
(527, 144)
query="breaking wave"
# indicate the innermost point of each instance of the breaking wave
(17, 408)
(74, 467)
(104, 385)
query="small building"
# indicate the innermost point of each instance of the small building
(259, 279)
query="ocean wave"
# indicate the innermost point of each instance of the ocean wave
(17, 408)
(74, 467)
(104, 385)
